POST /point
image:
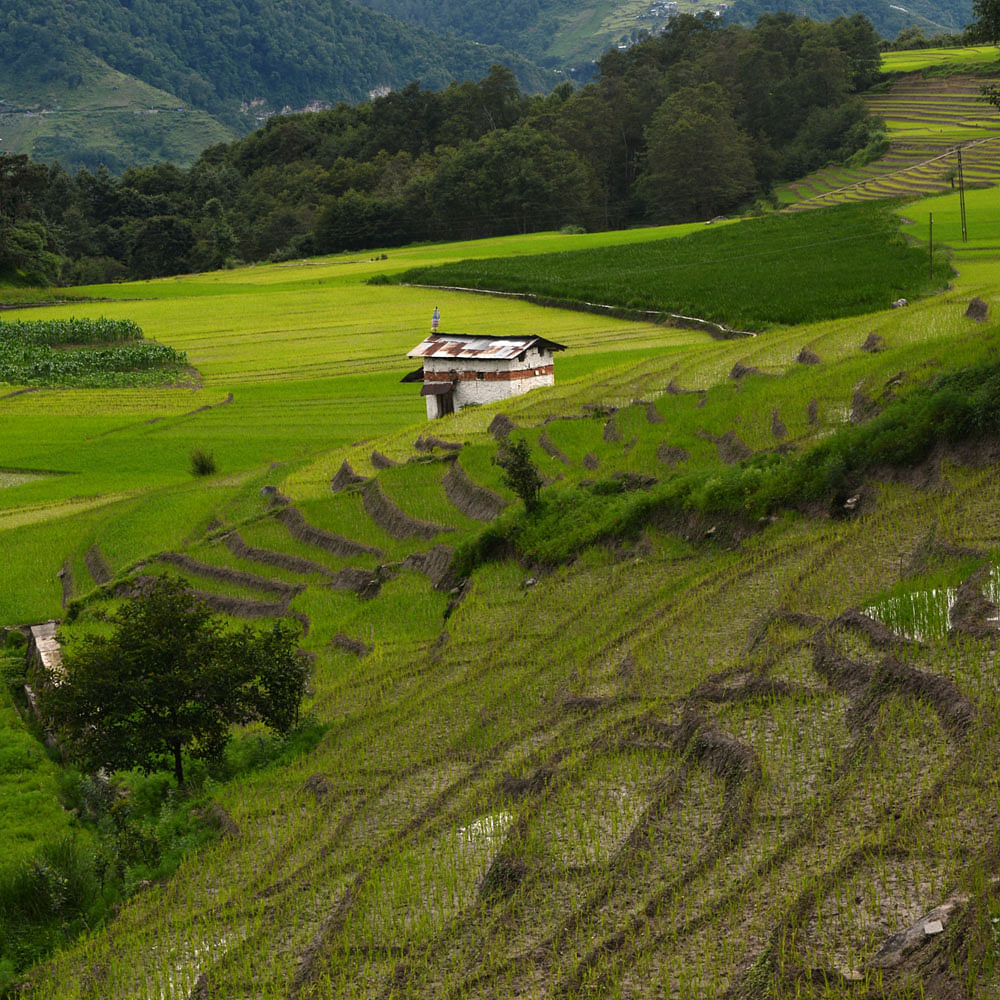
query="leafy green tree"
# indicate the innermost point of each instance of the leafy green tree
(26, 253)
(986, 27)
(698, 161)
(513, 180)
(520, 474)
(172, 678)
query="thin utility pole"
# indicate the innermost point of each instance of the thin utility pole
(961, 194)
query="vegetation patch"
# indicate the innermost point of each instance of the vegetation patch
(961, 406)
(83, 352)
(774, 270)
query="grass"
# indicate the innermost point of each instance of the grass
(967, 59)
(631, 773)
(765, 272)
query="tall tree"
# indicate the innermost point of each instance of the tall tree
(986, 27)
(698, 160)
(171, 678)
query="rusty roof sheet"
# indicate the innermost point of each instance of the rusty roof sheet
(461, 345)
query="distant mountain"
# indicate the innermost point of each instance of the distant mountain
(232, 61)
(934, 17)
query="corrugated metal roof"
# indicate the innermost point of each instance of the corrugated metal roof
(461, 345)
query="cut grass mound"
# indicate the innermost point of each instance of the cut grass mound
(774, 270)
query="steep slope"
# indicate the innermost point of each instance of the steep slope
(712, 757)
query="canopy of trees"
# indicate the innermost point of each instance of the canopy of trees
(171, 679)
(689, 124)
(215, 55)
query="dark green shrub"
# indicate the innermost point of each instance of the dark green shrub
(202, 463)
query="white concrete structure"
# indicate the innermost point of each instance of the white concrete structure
(459, 369)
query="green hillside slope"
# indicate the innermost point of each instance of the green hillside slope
(719, 753)
(932, 17)
(932, 105)
(93, 114)
(235, 62)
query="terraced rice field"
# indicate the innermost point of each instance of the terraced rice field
(927, 119)
(692, 763)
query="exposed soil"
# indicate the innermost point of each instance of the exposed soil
(550, 449)
(778, 429)
(241, 607)
(807, 357)
(500, 427)
(974, 614)
(731, 449)
(319, 786)
(348, 645)
(237, 577)
(954, 710)
(874, 631)
(978, 310)
(873, 343)
(362, 582)
(436, 564)
(863, 407)
(653, 415)
(390, 518)
(19, 392)
(745, 689)
(473, 500)
(97, 565)
(281, 560)
(812, 412)
(534, 784)
(673, 389)
(611, 434)
(429, 443)
(380, 461)
(740, 370)
(671, 454)
(345, 477)
(302, 531)
(591, 461)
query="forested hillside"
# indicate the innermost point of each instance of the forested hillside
(221, 56)
(934, 17)
(694, 122)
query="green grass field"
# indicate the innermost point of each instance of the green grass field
(969, 59)
(767, 271)
(669, 766)
(931, 103)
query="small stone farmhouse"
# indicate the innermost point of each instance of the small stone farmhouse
(459, 369)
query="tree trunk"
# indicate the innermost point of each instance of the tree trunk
(178, 766)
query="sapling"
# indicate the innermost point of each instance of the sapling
(520, 474)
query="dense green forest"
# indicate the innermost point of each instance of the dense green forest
(215, 55)
(932, 16)
(686, 125)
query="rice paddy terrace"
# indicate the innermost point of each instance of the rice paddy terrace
(931, 104)
(710, 759)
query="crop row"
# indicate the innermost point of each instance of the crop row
(128, 365)
(60, 332)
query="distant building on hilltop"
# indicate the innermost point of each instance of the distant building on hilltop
(459, 369)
